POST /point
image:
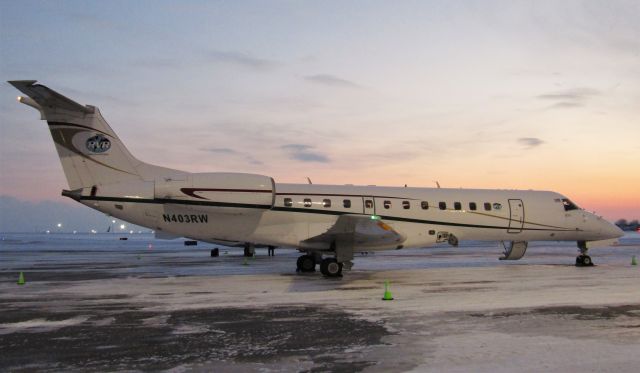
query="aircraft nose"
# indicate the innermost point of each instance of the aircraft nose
(612, 230)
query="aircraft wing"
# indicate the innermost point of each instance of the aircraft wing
(362, 230)
(354, 232)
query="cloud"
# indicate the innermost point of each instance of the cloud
(569, 98)
(297, 147)
(530, 142)
(253, 161)
(567, 104)
(331, 80)
(219, 150)
(304, 153)
(242, 60)
(570, 94)
(227, 151)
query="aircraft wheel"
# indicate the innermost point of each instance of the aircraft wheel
(584, 261)
(306, 263)
(330, 267)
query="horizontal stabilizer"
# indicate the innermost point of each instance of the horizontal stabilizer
(48, 98)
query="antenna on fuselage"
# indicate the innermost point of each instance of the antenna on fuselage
(309, 180)
(437, 183)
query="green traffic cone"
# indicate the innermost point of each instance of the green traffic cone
(244, 262)
(387, 292)
(21, 279)
(634, 261)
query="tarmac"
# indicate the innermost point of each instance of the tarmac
(95, 303)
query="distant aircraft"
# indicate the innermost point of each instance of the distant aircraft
(328, 223)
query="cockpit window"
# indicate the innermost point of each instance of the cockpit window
(568, 205)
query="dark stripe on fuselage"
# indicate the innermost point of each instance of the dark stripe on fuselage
(191, 191)
(343, 195)
(412, 220)
(162, 201)
(304, 211)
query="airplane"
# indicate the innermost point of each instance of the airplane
(327, 223)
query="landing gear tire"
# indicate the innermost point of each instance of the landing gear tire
(584, 261)
(330, 267)
(306, 263)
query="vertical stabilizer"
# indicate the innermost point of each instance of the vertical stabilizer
(90, 151)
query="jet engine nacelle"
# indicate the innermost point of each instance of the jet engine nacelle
(221, 188)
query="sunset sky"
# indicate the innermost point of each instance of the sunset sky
(473, 94)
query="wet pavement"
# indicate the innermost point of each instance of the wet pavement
(96, 303)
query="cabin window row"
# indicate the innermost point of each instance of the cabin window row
(346, 203)
(443, 205)
(288, 202)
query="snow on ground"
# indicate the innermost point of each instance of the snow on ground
(127, 307)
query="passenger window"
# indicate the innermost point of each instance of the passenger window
(487, 206)
(497, 206)
(307, 202)
(472, 206)
(406, 205)
(326, 203)
(387, 204)
(288, 202)
(424, 205)
(457, 205)
(442, 205)
(346, 203)
(368, 204)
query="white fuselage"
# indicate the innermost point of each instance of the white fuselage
(298, 212)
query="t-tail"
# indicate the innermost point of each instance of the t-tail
(91, 153)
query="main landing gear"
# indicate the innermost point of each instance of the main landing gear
(249, 249)
(329, 267)
(306, 263)
(583, 260)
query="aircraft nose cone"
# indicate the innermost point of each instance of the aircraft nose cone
(614, 231)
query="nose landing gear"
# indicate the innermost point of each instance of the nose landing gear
(583, 260)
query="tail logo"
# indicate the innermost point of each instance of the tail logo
(98, 144)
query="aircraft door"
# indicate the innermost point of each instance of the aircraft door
(368, 205)
(516, 216)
